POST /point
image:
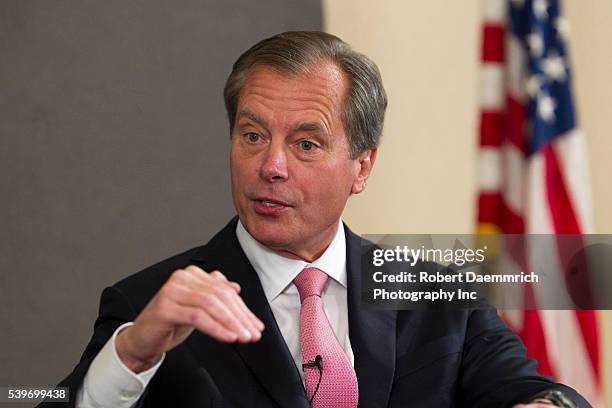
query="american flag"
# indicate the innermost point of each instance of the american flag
(533, 169)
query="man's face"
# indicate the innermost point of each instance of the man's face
(290, 160)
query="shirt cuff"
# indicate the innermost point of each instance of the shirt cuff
(110, 383)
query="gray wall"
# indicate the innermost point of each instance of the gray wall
(113, 154)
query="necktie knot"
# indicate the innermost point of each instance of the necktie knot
(310, 282)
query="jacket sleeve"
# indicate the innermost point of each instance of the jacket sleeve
(115, 310)
(495, 369)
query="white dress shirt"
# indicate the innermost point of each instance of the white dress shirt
(109, 383)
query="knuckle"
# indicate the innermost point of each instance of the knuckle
(218, 275)
(167, 289)
(225, 318)
(208, 299)
(197, 316)
(193, 269)
(179, 274)
(221, 313)
(224, 292)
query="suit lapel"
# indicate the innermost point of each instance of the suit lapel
(268, 359)
(372, 335)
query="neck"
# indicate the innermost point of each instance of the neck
(306, 256)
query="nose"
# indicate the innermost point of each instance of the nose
(274, 166)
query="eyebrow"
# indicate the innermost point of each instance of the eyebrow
(312, 127)
(251, 116)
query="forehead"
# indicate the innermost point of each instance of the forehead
(321, 88)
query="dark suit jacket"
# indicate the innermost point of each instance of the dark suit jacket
(465, 358)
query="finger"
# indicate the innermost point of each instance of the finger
(221, 277)
(206, 324)
(248, 318)
(195, 317)
(218, 283)
(218, 275)
(252, 317)
(187, 276)
(234, 303)
(197, 272)
(226, 314)
(235, 286)
(207, 298)
(256, 326)
(237, 306)
(193, 273)
(199, 296)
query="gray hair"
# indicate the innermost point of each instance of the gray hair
(294, 52)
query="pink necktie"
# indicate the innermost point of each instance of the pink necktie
(338, 388)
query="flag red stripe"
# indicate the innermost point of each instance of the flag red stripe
(491, 127)
(587, 319)
(492, 209)
(533, 336)
(493, 43)
(516, 124)
(561, 209)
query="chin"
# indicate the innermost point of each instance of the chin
(270, 234)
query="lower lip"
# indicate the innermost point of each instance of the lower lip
(262, 209)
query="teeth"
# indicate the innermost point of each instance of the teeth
(269, 203)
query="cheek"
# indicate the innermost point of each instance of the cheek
(238, 166)
(345, 177)
(332, 189)
(233, 172)
(237, 175)
(232, 160)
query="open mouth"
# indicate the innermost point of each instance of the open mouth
(269, 203)
(270, 206)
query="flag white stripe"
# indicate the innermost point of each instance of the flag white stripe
(543, 258)
(572, 153)
(539, 220)
(569, 352)
(494, 11)
(493, 96)
(514, 178)
(515, 68)
(490, 177)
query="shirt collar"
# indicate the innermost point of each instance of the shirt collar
(277, 272)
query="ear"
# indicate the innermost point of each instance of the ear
(364, 162)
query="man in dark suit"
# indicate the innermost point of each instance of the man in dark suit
(269, 312)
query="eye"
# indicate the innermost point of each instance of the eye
(252, 137)
(307, 145)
